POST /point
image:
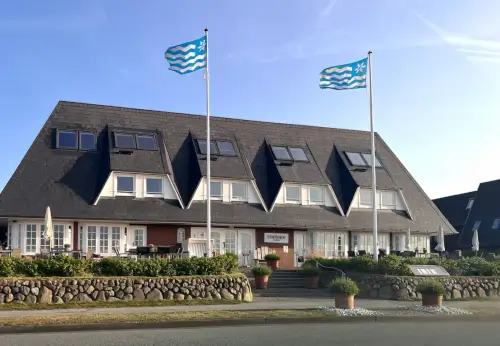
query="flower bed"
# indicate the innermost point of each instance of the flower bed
(65, 266)
(65, 290)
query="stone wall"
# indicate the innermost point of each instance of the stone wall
(61, 291)
(403, 287)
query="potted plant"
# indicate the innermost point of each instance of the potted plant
(432, 292)
(273, 260)
(343, 290)
(311, 275)
(261, 274)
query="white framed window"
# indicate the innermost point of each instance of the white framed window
(216, 190)
(388, 199)
(181, 235)
(230, 242)
(9, 236)
(239, 191)
(317, 195)
(31, 237)
(292, 194)
(103, 240)
(92, 238)
(198, 234)
(154, 186)
(125, 185)
(138, 237)
(116, 236)
(419, 242)
(365, 197)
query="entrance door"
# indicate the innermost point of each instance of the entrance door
(245, 247)
(299, 247)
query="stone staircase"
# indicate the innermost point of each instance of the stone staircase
(288, 283)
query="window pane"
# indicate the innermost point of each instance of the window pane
(316, 194)
(138, 237)
(298, 154)
(125, 184)
(67, 140)
(87, 141)
(124, 140)
(239, 190)
(365, 197)
(226, 148)
(103, 240)
(215, 189)
(368, 158)
(388, 198)
(92, 238)
(202, 146)
(355, 159)
(154, 186)
(293, 193)
(281, 153)
(146, 142)
(30, 238)
(115, 238)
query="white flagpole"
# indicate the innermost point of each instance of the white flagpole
(374, 173)
(209, 211)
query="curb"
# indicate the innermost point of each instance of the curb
(243, 322)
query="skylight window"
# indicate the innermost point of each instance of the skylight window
(496, 224)
(202, 146)
(67, 139)
(281, 153)
(87, 141)
(226, 148)
(298, 154)
(146, 142)
(124, 141)
(362, 159)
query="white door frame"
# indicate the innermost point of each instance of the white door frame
(296, 251)
(246, 260)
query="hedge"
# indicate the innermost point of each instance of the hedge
(397, 265)
(66, 266)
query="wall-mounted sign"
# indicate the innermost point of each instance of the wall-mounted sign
(277, 238)
(428, 270)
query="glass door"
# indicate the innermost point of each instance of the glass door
(246, 247)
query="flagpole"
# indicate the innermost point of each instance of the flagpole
(209, 211)
(374, 173)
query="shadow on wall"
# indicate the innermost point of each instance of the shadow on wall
(266, 174)
(186, 169)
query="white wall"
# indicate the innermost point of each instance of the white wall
(109, 189)
(328, 196)
(357, 202)
(199, 194)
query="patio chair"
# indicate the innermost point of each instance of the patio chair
(118, 254)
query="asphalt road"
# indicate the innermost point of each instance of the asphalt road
(359, 334)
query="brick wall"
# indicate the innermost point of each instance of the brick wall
(165, 234)
(287, 260)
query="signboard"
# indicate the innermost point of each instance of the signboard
(276, 238)
(428, 270)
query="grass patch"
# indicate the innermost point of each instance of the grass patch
(117, 304)
(105, 278)
(159, 317)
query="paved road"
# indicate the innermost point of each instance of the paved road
(367, 334)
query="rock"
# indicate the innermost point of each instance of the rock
(247, 294)
(90, 289)
(128, 297)
(25, 290)
(6, 290)
(119, 294)
(146, 289)
(30, 299)
(226, 295)
(57, 300)
(9, 298)
(35, 290)
(113, 299)
(82, 297)
(216, 295)
(128, 290)
(138, 294)
(456, 294)
(465, 294)
(19, 297)
(169, 295)
(178, 296)
(67, 297)
(373, 293)
(101, 296)
(385, 292)
(480, 292)
(154, 294)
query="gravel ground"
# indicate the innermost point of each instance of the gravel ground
(350, 312)
(444, 310)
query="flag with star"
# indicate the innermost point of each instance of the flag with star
(347, 76)
(188, 57)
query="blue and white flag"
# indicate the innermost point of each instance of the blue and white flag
(347, 76)
(188, 57)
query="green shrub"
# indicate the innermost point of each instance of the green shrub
(310, 271)
(343, 286)
(261, 271)
(430, 287)
(6, 267)
(272, 257)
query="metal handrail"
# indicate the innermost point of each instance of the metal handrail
(318, 265)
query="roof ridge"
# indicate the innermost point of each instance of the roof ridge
(128, 109)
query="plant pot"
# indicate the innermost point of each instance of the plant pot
(273, 264)
(432, 299)
(261, 282)
(344, 302)
(312, 281)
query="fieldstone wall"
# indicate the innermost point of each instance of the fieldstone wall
(61, 291)
(403, 287)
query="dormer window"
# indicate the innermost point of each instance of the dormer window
(292, 194)
(296, 154)
(362, 159)
(202, 147)
(225, 148)
(67, 139)
(125, 185)
(317, 195)
(124, 141)
(239, 191)
(146, 142)
(87, 141)
(217, 148)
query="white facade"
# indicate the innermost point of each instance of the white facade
(139, 183)
(228, 190)
(364, 241)
(326, 244)
(306, 195)
(386, 199)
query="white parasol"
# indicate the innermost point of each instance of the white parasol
(440, 246)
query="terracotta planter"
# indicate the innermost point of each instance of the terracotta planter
(261, 282)
(312, 281)
(344, 302)
(273, 264)
(432, 299)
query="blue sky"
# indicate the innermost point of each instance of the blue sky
(436, 67)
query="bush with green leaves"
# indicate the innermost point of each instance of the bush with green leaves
(344, 286)
(430, 287)
(66, 266)
(272, 257)
(310, 271)
(261, 271)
